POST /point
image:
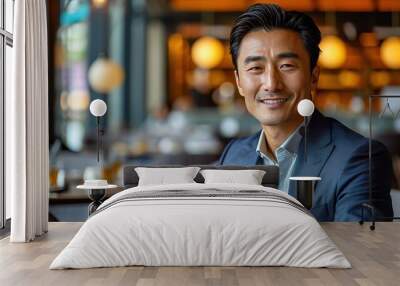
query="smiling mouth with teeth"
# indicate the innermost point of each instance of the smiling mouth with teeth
(273, 103)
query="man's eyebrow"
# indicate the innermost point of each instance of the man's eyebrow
(250, 59)
(283, 55)
(288, 55)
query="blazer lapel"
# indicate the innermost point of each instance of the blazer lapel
(250, 156)
(319, 148)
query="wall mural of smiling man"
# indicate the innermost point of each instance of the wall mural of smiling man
(275, 54)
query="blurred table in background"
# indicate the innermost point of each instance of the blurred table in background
(72, 204)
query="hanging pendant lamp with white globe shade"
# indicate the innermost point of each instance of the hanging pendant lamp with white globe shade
(98, 108)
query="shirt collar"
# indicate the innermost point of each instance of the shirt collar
(291, 143)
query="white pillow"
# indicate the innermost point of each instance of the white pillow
(163, 176)
(248, 177)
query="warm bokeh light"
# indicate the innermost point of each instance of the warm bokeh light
(64, 100)
(99, 3)
(390, 52)
(368, 40)
(105, 75)
(224, 94)
(78, 100)
(379, 78)
(349, 79)
(333, 53)
(207, 52)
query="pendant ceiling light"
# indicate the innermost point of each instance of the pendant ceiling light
(207, 52)
(333, 52)
(390, 52)
(105, 75)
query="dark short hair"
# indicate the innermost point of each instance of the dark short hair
(269, 17)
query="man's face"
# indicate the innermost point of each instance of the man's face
(273, 75)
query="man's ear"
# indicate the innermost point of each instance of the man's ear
(238, 83)
(314, 78)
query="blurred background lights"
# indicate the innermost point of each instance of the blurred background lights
(368, 40)
(227, 90)
(333, 52)
(229, 127)
(349, 79)
(357, 104)
(169, 145)
(207, 52)
(379, 78)
(350, 31)
(390, 52)
(99, 3)
(78, 100)
(225, 93)
(64, 100)
(105, 75)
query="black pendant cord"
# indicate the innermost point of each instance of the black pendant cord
(98, 138)
(305, 138)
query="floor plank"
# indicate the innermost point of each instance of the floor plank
(375, 257)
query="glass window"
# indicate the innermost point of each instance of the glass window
(9, 14)
(7, 82)
(1, 13)
(6, 28)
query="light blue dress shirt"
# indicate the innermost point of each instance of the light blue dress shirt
(285, 154)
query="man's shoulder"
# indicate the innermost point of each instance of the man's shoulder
(345, 136)
(247, 141)
(347, 139)
(241, 151)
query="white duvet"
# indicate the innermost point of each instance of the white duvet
(207, 230)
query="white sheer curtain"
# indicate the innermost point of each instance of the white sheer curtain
(27, 158)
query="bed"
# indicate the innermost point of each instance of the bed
(201, 223)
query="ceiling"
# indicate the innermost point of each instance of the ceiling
(300, 5)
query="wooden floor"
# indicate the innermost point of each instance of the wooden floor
(375, 256)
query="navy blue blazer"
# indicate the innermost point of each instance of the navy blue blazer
(340, 157)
